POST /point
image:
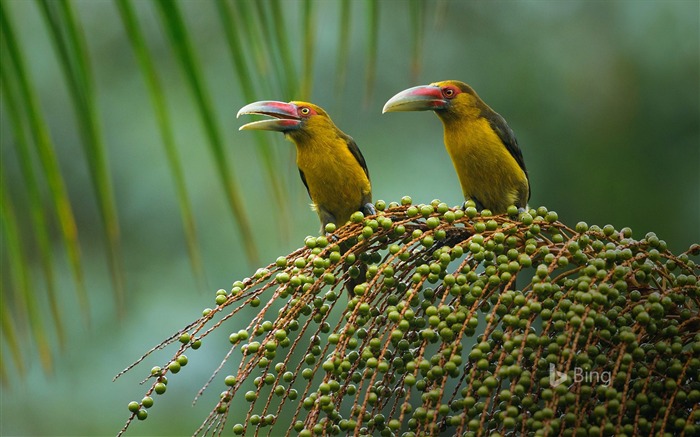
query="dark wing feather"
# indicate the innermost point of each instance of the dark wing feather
(303, 179)
(352, 146)
(505, 133)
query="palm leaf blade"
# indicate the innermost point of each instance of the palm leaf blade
(307, 68)
(177, 32)
(247, 87)
(289, 75)
(345, 19)
(25, 298)
(372, 45)
(47, 156)
(38, 219)
(72, 54)
(417, 18)
(165, 127)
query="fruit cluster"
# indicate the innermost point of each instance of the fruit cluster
(459, 322)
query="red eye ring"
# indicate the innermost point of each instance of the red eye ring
(448, 92)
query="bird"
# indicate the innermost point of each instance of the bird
(483, 148)
(330, 163)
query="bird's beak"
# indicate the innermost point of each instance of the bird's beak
(419, 98)
(284, 116)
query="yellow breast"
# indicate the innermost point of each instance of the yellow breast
(336, 181)
(486, 169)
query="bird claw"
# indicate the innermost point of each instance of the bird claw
(369, 209)
(479, 206)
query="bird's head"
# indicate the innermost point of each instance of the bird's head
(446, 98)
(294, 118)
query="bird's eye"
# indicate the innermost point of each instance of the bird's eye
(305, 111)
(448, 92)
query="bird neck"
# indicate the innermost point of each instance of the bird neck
(458, 114)
(314, 141)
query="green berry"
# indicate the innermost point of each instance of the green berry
(426, 210)
(357, 217)
(174, 366)
(159, 388)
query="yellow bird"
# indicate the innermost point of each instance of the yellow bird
(482, 147)
(330, 163)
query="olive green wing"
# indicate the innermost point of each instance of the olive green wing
(352, 146)
(303, 179)
(505, 133)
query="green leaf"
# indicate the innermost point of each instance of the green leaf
(138, 43)
(308, 25)
(177, 32)
(279, 29)
(25, 299)
(10, 335)
(344, 21)
(417, 17)
(247, 87)
(13, 63)
(39, 222)
(246, 23)
(271, 49)
(372, 46)
(72, 51)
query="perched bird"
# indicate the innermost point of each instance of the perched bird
(482, 147)
(330, 163)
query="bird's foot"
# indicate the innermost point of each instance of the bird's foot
(473, 202)
(331, 237)
(328, 230)
(368, 209)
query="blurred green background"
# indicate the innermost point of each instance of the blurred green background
(604, 98)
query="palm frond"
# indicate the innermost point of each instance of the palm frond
(372, 46)
(70, 45)
(40, 227)
(247, 85)
(344, 23)
(25, 299)
(417, 18)
(9, 334)
(15, 70)
(178, 34)
(138, 43)
(308, 26)
(279, 29)
(273, 56)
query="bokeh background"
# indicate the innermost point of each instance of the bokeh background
(604, 98)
